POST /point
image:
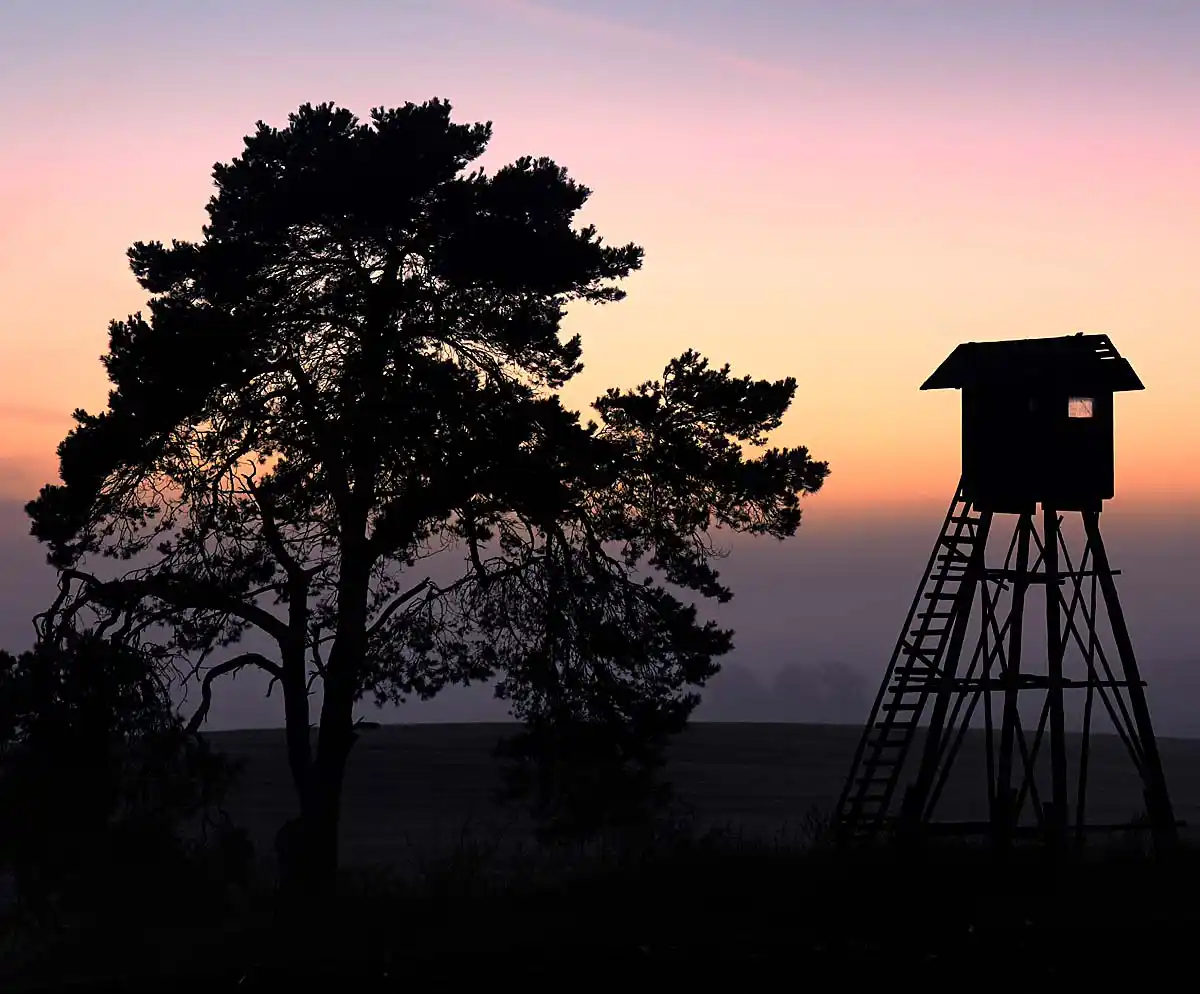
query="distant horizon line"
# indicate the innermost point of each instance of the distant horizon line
(857, 728)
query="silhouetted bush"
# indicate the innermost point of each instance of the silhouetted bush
(101, 785)
(583, 779)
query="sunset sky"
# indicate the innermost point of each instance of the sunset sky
(839, 191)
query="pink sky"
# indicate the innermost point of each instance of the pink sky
(844, 214)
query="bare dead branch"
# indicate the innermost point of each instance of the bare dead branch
(229, 666)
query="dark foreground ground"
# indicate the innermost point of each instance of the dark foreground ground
(471, 899)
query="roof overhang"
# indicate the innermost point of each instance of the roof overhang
(1069, 361)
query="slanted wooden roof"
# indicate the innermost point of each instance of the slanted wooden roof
(1072, 360)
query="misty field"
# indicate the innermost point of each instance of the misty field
(419, 791)
(416, 791)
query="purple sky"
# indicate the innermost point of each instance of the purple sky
(816, 619)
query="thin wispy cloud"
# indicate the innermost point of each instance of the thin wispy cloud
(591, 26)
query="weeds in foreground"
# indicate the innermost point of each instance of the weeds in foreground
(676, 887)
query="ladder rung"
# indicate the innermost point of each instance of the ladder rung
(894, 724)
(927, 669)
(881, 767)
(952, 541)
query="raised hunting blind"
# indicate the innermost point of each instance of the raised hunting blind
(1037, 429)
(1037, 419)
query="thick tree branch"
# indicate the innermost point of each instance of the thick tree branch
(329, 454)
(42, 621)
(473, 541)
(181, 593)
(396, 604)
(229, 666)
(270, 527)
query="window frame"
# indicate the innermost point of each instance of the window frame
(1071, 408)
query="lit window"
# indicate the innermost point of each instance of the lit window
(1079, 407)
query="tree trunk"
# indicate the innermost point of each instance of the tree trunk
(324, 817)
(296, 717)
(290, 846)
(308, 847)
(322, 799)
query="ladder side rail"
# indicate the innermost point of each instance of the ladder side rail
(952, 650)
(860, 751)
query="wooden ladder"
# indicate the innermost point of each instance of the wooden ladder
(912, 674)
